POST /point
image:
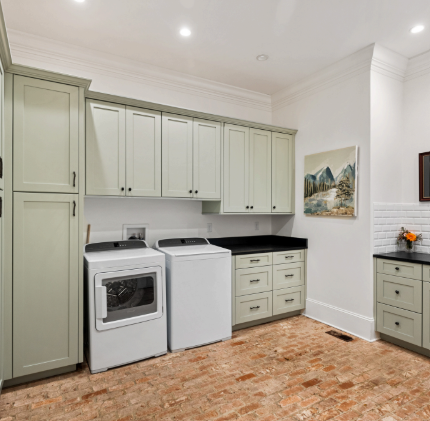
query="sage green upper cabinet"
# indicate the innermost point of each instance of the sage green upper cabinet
(282, 173)
(207, 159)
(143, 152)
(260, 171)
(46, 126)
(46, 280)
(177, 156)
(105, 144)
(236, 168)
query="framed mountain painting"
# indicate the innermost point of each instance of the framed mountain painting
(331, 183)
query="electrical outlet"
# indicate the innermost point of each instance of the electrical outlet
(209, 226)
(257, 226)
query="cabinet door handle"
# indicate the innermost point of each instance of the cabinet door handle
(196, 191)
(289, 257)
(397, 291)
(287, 276)
(252, 207)
(397, 324)
(291, 299)
(252, 308)
(191, 191)
(397, 268)
(254, 280)
(129, 189)
(254, 260)
(74, 178)
(247, 207)
(274, 207)
(122, 189)
(74, 208)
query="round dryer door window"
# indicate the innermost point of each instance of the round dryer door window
(130, 296)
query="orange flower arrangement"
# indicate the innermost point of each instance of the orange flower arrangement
(409, 237)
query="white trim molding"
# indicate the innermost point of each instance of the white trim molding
(418, 66)
(344, 320)
(389, 63)
(51, 53)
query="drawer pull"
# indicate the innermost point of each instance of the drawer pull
(397, 291)
(288, 276)
(252, 308)
(397, 268)
(254, 260)
(289, 257)
(291, 299)
(254, 280)
(397, 324)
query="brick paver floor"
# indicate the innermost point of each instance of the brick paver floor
(285, 370)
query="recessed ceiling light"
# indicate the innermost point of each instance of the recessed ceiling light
(417, 29)
(262, 57)
(185, 32)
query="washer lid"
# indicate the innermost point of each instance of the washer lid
(201, 250)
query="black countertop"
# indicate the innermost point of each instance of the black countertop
(422, 258)
(259, 244)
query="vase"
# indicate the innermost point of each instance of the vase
(409, 246)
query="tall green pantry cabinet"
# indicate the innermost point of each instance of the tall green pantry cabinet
(45, 156)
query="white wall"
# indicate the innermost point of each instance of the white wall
(339, 256)
(167, 218)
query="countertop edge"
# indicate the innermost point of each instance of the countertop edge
(412, 259)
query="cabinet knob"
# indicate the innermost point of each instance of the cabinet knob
(196, 191)
(397, 291)
(252, 207)
(397, 268)
(247, 207)
(397, 324)
(129, 189)
(274, 207)
(191, 191)
(122, 189)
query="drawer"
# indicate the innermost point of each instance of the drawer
(288, 256)
(253, 307)
(426, 273)
(404, 269)
(400, 324)
(400, 292)
(253, 260)
(253, 280)
(289, 299)
(288, 275)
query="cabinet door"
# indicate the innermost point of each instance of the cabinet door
(105, 143)
(45, 286)
(1, 129)
(207, 159)
(143, 152)
(46, 144)
(177, 161)
(236, 169)
(260, 171)
(426, 315)
(282, 173)
(1, 293)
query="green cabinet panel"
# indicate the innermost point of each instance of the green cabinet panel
(1, 294)
(46, 136)
(426, 315)
(45, 287)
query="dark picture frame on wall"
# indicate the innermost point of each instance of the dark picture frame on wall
(424, 175)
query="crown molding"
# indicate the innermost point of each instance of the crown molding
(5, 55)
(49, 52)
(349, 67)
(389, 63)
(418, 66)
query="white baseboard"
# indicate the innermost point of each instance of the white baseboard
(347, 321)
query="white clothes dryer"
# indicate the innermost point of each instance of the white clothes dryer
(125, 303)
(199, 292)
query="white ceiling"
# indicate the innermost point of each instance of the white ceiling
(300, 36)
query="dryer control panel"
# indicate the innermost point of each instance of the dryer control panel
(178, 242)
(116, 245)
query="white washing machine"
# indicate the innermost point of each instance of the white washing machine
(125, 303)
(198, 278)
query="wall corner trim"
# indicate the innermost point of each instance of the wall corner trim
(361, 326)
(418, 66)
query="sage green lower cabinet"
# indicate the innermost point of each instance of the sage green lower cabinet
(426, 312)
(265, 286)
(45, 287)
(1, 293)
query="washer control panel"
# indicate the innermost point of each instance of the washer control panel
(178, 242)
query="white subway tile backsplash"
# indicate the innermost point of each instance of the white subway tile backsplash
(389, 218)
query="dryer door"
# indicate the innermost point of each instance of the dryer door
(129, 296)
